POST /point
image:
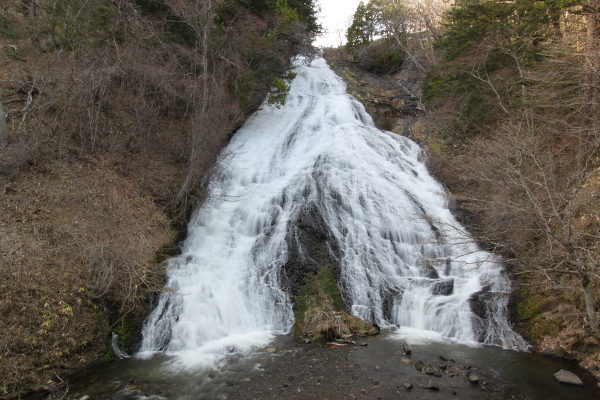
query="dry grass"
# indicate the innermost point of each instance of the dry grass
(322, 322)
(75, 239)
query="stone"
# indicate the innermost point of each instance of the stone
(444, 288)
(431, 386)
(408, 384)
(478, 302)
(548, 352)
(86, 397)
(271, 350)
(428, 270)
(473, 378)
(419, 365)
(407, 350)
(568, 377)
(430, 370)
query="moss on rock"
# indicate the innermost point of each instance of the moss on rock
(320, 314)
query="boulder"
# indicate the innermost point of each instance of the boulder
(479, 300)
(568, 377)
(548, 352)
(444, 288)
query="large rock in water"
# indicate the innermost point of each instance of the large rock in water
(568, 377)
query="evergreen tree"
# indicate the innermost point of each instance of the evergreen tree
(365, 25)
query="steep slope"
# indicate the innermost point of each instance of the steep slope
(112, 113)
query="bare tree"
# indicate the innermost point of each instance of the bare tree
(3, 127)
(535, 199)
(415, 26)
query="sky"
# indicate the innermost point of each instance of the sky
(335, 16)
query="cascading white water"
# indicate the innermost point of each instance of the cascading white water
(404, 259)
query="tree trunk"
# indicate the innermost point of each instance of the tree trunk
(590, 305)
(590, 122)
(584, 277)
(3, 127)
(203, 19)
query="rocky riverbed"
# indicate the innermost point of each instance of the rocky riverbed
(378, 368)
(372, 369)
(375, 368)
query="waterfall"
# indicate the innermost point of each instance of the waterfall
(403, 258)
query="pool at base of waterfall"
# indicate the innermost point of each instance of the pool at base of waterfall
(379, 368)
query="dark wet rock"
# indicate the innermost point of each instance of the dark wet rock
(437, 374)
(443, 367)
(432, 386)
(389, 298)
(408, 384)
(443, 358)
(307, 241)
(548, 352)
(407, 350)
(430, 370)
(444, 288)
(570, 378)
(428, 270)
(231, 383)
(419, 365)
(473, 378)
(479, 300)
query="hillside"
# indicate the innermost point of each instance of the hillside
(112, 114)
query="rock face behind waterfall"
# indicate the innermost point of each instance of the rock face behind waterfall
(313, 259)
(309, 246)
